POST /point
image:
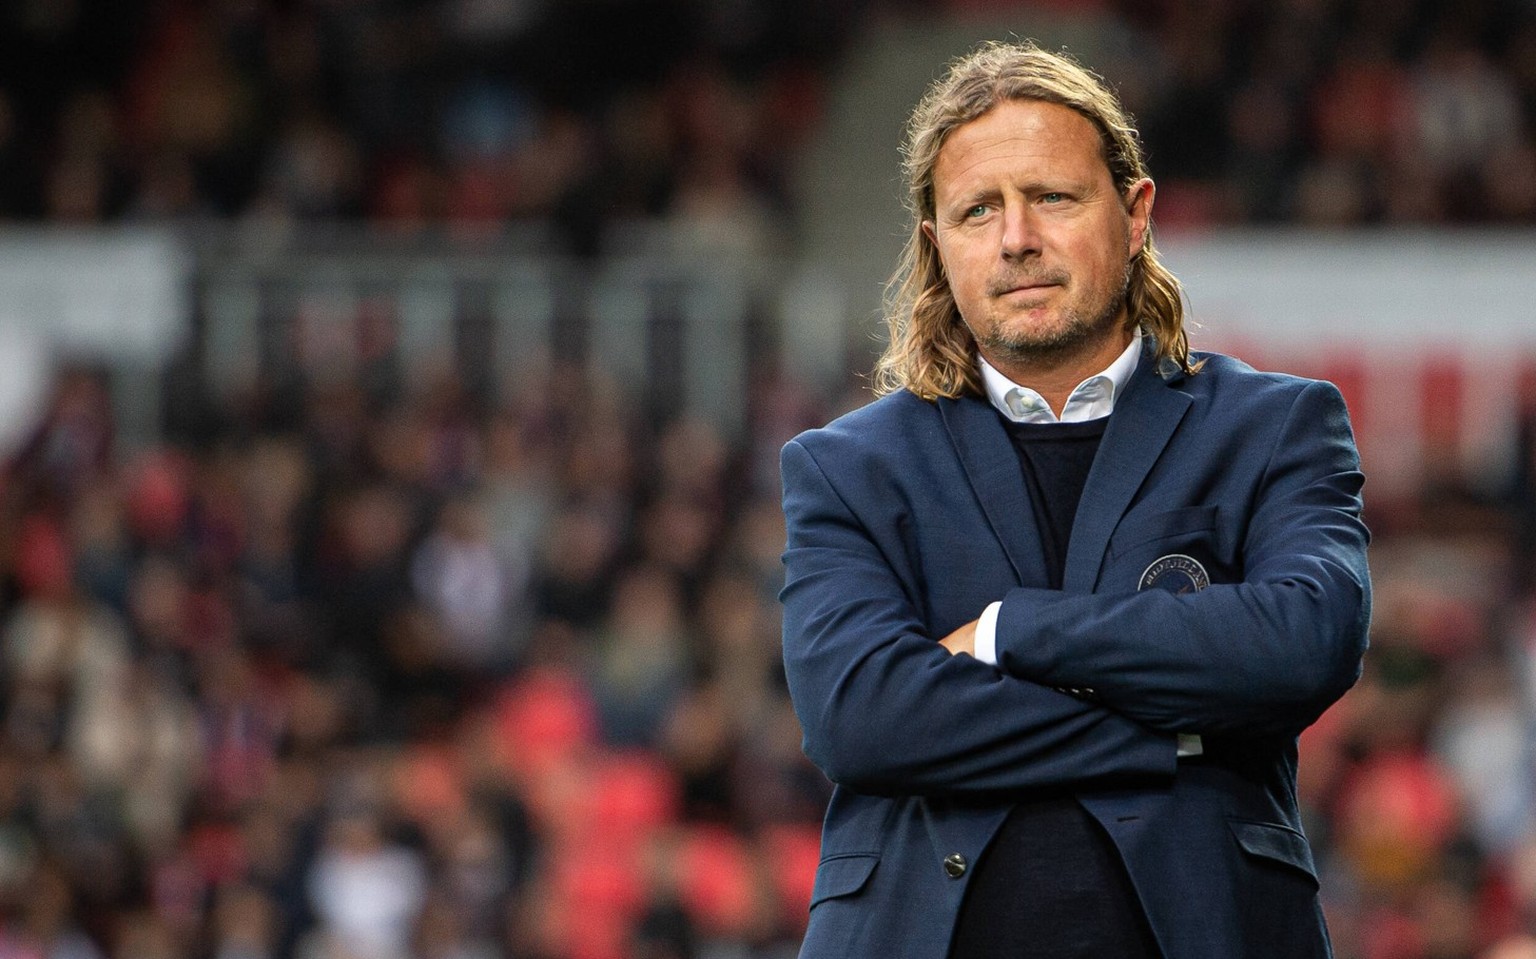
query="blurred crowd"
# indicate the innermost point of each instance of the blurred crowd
(1419, 786)
(379, 678)
(407, 113)
(1335, 113)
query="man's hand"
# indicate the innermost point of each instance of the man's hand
(962, 640)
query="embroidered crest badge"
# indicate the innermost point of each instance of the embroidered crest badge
(1176, 573)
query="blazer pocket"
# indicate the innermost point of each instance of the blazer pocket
(1276, 843)
(842, 875)
(1137, 531)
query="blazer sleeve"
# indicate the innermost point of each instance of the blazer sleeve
(885, 709)
(1262, 657)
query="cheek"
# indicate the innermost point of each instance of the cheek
(966, 261)
(966, 284)
(1101, 261)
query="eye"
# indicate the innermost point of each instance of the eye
(978, 210)
(1053, 197)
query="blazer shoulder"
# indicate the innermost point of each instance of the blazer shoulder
(890, 422)
(1229, 380)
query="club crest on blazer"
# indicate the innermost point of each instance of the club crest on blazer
(1177, 573)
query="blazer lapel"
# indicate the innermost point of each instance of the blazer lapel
(1143, 422)
(992, 466)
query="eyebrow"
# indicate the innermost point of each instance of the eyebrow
(1074, 187)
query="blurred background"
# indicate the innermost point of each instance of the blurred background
(391, 400)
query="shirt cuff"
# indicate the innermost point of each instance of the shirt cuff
(1189, 745)
(986, 634)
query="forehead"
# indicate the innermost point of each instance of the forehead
(1020, 138)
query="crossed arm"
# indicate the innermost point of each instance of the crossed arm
(886, 708)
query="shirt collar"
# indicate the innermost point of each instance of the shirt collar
(1092, 399)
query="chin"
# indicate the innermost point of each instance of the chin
(1041, 344)
(1040, 337)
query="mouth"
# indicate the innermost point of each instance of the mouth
(1026, 289)
(1027, 286)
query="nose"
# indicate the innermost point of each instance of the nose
(1021, 236)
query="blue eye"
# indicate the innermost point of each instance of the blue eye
(1052, 197)
(979, 209)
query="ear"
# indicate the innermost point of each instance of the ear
(1138, 207)
(931, 233)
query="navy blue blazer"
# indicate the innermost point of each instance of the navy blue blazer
(906, 518)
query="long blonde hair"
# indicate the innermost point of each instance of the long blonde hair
(931, 351)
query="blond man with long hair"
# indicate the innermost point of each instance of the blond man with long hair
(1059, 602)
(931, 352)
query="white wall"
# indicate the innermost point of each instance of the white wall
(118, 296)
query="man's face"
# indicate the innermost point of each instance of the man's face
(1034, 237)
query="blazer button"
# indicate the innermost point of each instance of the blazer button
(954, 865)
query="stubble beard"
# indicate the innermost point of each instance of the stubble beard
(1078, 334)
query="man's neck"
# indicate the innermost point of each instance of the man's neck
(1054, 378)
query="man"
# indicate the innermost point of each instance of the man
(1058, 604)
